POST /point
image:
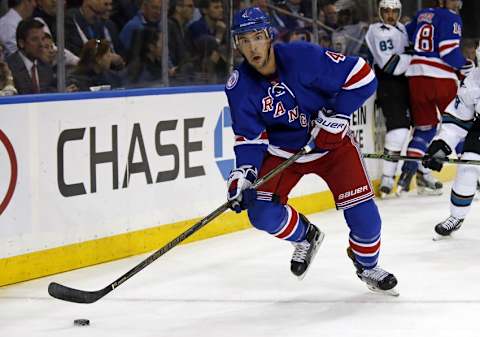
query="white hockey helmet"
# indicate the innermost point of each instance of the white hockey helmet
(393, 4)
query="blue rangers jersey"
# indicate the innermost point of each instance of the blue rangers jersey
(273, 114)
(435, 34)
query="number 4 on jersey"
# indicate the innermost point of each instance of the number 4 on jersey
(336, 57)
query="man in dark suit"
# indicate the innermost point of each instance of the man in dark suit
(30, 75)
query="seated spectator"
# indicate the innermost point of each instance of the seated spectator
(180, 13)
(30, 74)
(111, 34)
(324, 39)
(22, 10)
(349, 36)
(7, 87)
(299, 34)
(83, 24)
(47, 11)
(146, 65)
(208, 37)
(49, 51)
(70, 58)
(331, 17)
(93, 69)
(469, 50)
(123, 11)
(147, 17)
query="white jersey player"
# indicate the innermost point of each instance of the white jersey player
(461, 122)
(387, 41)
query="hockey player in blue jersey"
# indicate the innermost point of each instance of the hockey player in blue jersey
(435, 34)
(283, 97)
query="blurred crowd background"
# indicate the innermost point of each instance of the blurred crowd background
(73, 45)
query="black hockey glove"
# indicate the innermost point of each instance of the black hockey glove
(437, 151)
(389, 67)
(240, 195)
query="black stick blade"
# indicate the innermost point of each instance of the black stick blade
(74, 295)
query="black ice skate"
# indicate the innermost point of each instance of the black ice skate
(306, 250)
(445, 228)
(403, 184)
(427, 184)
(376, 279)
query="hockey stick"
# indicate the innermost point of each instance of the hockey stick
(410, 158)
(82, 296)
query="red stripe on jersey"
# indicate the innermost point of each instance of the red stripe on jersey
(287, 230)
(442, 48)
(364, 71)
(434, 64)
(365, 250)
(414, 153)
(263, 135)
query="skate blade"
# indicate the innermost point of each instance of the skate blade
(438, 237)
(390, 292)
(385, 196)
(314, 254)
(400, 191)
(429, 192)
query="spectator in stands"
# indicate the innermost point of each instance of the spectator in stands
(180, 13)
(469, 50)
(324, 39)
(299, 34)
(208, 37)
(146, 66)
(47, 11)
(147, 17)
(349, 36)
(211, 23)
(331, 18)
(21, 10)
(49, 51)
(83, 24)
(123, 11)
(111, 33)
(30, 74)
(7, 86)
(275, 21)
(93, 70)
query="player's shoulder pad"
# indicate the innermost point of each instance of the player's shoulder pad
(298, 53)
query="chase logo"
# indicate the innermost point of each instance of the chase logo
(223, 143)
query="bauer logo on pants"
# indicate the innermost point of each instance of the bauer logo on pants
(8, 163)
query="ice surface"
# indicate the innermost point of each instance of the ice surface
(239, 285)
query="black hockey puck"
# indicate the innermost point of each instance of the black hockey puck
(81, 322)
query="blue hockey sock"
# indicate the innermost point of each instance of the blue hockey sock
(282, 221)
(422, 136)
(365, 226)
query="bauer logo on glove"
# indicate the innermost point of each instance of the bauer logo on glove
(328, 132)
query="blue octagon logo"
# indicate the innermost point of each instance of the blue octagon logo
(225, 165)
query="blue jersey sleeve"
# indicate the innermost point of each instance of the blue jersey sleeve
(251, 139)
(347, 80)
(411, 27)
(450, 33)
